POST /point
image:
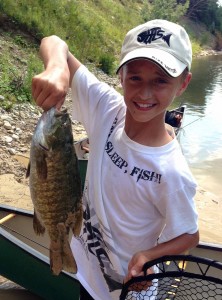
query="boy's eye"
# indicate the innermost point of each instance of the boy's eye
(134, 78)
(160, 81)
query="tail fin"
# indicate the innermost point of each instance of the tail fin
(61, 257)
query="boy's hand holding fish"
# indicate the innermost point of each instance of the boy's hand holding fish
(50, 87)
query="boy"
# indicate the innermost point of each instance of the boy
(138, 198)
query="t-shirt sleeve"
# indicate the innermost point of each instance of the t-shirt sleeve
(92, 99)
(180, 213)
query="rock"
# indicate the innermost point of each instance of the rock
(8, 139)
(7, 125)
(6, 117)
(12, 151)
(15, 137)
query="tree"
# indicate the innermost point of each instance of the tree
(171, 10)
(205, 11)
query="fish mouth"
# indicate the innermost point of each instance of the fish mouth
(43, 147)
(54, 112)
(59, 113)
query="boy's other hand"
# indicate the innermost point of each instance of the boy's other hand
(135, 269)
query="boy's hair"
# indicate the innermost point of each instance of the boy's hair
(161, 41)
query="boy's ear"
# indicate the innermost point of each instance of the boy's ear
(184, 84)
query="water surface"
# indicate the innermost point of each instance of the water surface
(201, 139)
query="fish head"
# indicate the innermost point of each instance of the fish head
(54, 128)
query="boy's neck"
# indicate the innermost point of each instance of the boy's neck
(150, 133)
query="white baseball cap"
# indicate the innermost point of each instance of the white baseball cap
(161, 41)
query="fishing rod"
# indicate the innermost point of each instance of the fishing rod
(181, 103)
(192, 122)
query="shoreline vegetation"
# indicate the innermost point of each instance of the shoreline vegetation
(101, 23)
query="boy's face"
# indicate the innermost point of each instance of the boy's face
(148, 90)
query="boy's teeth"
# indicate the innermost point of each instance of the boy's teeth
(145, 105)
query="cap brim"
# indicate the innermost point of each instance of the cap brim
(165, 60)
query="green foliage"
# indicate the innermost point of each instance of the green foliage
(16, 72)
(93, 29)
(207, 12)
(218, 45)
(106, 63)
(196, 48)
(169, 10)
(204, 39)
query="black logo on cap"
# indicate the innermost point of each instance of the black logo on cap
(153, 34)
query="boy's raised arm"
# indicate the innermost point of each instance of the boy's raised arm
(50, 87)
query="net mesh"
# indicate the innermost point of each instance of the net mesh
(177, 277)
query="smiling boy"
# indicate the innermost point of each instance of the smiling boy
(138, 197)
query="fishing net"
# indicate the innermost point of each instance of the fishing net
(181, 277)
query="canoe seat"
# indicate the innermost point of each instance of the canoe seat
(7, 218)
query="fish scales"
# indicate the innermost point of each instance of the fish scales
(55, 186)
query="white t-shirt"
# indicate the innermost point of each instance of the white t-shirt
(134, 195)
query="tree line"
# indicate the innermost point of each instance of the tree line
(208, 12)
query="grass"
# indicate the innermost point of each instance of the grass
(93, 29)
(19, 62)
(101, 23)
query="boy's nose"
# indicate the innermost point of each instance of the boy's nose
(146, 92)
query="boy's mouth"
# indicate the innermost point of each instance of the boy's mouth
(144, 106)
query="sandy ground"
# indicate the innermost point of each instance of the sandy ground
(209, 202)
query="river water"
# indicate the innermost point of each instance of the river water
(201, 138)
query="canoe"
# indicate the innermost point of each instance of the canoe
(175, 118)
(208, 250)
(24, 257)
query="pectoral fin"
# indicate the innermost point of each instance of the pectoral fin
(37, 226)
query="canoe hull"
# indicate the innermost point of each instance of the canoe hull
(28, 267)
(24, 260)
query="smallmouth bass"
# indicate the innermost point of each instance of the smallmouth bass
(55, 186)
